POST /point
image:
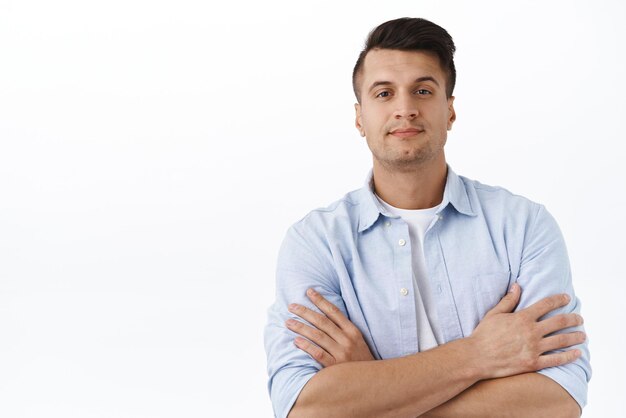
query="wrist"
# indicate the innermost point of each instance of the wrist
(474, 362)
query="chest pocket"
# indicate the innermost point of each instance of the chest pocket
(488, 290)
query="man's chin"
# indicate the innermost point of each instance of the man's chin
(405, 162)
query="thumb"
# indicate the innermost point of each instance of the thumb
(508, 302)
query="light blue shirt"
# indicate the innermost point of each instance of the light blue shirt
(358, 256)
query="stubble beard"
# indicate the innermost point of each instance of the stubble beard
(404, 160)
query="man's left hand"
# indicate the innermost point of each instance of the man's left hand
(335, 339)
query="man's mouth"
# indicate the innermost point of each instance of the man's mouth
(406, 132)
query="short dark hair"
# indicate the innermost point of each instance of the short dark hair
(410, 34)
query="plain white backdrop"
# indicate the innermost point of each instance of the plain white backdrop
(153, 154)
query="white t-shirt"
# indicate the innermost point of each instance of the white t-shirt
(419, 220)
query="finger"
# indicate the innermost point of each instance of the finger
(557, 359)
(545, 305)
(508, 302)
(318, 320)
(346, 330)
(559, 322)
(315, 335)
(555, 342)
(331, 310)
(319, 355)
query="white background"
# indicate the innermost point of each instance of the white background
(153, 154)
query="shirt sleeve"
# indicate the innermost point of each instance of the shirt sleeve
(304, 261)
(545, 271)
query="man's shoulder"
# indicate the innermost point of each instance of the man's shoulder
(488, 197)
(342, 211)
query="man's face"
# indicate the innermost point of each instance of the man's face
(404, 112)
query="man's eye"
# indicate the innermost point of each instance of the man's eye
(383, 94)
(423, 92)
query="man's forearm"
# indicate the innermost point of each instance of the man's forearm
(413, 385)
(524, 395)
(407, 386)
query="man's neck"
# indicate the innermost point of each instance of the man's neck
(419, 188)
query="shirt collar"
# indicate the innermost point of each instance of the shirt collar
(455, 194)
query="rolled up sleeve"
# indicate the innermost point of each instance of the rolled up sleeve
(301, 265)
(545, 271)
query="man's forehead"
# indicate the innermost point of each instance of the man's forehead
(390, 63)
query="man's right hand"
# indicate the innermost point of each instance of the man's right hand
(514, 343)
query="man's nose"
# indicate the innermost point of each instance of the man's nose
(406, 109)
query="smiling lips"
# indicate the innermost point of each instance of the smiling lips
(406, 132)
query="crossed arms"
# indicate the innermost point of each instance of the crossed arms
(486, 374)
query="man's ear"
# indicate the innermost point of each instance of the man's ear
(357, 119)
(451, 112)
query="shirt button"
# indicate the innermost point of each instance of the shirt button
(402, 243)
(440, 217)
(438, 288)
(404, 291)
(387, 224)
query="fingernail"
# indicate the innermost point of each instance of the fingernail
(290, 322)
(293, 307)
(311, 292)
(513, 288)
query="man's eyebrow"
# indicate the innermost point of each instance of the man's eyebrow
(379, 83)
(417, 80)
(427, 78)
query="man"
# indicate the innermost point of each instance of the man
(423, 293)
